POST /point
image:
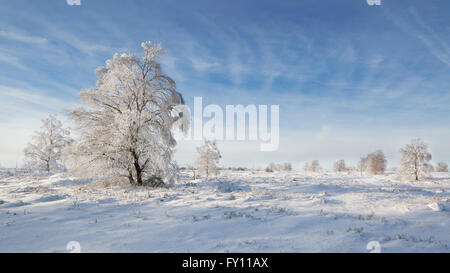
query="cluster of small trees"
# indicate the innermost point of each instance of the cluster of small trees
(314, 167)
(414, 163)
(273, 167)
(374, 163)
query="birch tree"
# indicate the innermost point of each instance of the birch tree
(287, 167)
(127, 122)
(414, 161)
(339, 166)
(362, 164)
(209, 156)
(441, 167)
(315, 166)
(44, 152)
(376, 163)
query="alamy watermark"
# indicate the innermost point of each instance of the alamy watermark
(237, 122)
(374, 247)
(373, 2)
(73, 2)
(73, 247)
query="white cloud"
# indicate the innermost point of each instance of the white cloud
(11, 60)
(22, 38)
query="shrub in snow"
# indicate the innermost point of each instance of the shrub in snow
(441, 167)
(44, 153)
(339, 166)
(209, 156)
(415, 158)
(126, 125)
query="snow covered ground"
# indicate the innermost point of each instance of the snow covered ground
(245, 211)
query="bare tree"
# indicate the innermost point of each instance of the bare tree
(441, 167)
(209, 156)
(315, 166)
(272, 167)
(415, 158)
(376, 163)
(44, 153)
(287, 167)
(306, 167)
(339, 166)
(126, 126)
(362, 164)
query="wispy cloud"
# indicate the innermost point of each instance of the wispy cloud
(20, 101)
(424, 32)
(11, 60)
(22, 38)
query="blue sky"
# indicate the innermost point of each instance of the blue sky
(349, 78)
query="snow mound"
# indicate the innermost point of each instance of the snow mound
(439, 206)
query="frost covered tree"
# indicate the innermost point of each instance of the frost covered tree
(272, 167)
(209, 156)
(44, 153)
(287, 167)
(339, 166)
(414, 161)
(306, 167)
(376, 163)
(315, 166)
(127, 122)
(441, 167)
(362, 164)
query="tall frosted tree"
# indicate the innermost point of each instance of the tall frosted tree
(209, 156)
(127, 122)
(415, 158)
(44, 152)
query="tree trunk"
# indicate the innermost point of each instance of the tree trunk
(130, 178)
(138, 169)
(138, 173)
(416, 171)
